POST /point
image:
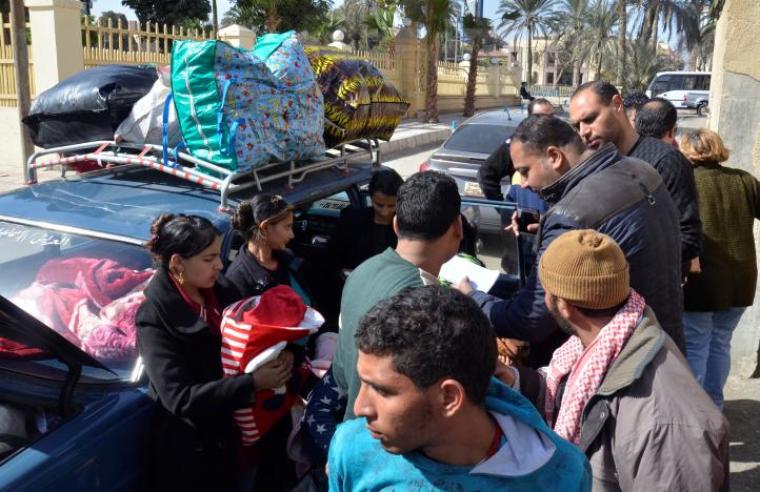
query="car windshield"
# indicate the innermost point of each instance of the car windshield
(86, 289)
(482, 139)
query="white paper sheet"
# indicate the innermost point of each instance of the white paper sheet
(457, 268)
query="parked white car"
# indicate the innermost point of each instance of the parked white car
(675, 86)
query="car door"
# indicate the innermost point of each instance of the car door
(498, 249)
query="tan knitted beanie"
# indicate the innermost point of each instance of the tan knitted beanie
(586, 268)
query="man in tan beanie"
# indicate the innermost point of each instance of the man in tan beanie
(619, 388)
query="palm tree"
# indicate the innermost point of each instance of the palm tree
(381, 20)
(678, 15)
(643, 65)
(568, 22)
(477, 28)
(531, 16)
(435, 15)
(595, 41)
(701, 43)
(621, 49)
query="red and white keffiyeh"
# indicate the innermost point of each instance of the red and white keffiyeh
(254, 331)
(588, 376)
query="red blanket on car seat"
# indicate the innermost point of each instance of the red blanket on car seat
(90, 301)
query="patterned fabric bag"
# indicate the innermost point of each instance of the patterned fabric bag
(240, 109)
(359, 103)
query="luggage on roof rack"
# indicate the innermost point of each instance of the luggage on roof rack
(241, 109)
(107, 154)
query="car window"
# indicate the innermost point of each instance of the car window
(496, 248)
(86, 289)
(704, 83)
(478, 138)
(690, 83)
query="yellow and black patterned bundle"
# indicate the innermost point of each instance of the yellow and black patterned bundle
(359, 103)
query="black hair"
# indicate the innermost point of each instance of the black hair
(538, 132)
(656, 118)
(532, 104)
(386, 181)
(431, 333)
(428, 203)
(635, 100)
(605, 90)
(184, 235)
(249, 215)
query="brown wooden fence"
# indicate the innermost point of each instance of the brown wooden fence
(105, 43)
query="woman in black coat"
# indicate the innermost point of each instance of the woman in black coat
(194, 443)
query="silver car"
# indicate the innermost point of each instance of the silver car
(466, 149)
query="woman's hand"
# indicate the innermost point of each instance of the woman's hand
(272, 374)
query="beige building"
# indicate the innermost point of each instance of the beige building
(551, 64)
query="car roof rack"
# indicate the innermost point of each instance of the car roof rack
(109, 154)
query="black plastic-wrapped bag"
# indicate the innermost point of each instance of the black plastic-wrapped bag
(89, 105)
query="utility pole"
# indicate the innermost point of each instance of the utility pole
(21, 67)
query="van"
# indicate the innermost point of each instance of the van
(674, 86)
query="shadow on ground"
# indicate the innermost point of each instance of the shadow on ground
(745, 444)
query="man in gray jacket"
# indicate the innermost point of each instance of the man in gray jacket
(619, 388)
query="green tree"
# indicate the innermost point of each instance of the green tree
(595, 42)
(244, 16)
(529, 16)
(284, 15)
(381, 21)
(172, 12)
(679, 16)
(622, 49)
(477, 28)
(568, 23)
(435, 16)
(333, 21)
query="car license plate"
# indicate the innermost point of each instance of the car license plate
(472, 188)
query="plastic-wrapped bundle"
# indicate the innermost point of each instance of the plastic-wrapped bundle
(89, 105)
(145, 123)
(240, 109)
(359, 102)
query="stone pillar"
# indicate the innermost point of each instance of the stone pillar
(56, 29)
(410, 68)
(735, 115)
(238, 36)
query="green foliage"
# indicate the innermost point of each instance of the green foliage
(333, 21)
(283, 15)
(531, 17)
(171, 12)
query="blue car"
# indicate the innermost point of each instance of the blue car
(74, 410)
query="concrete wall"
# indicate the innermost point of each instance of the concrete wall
(10, 141)
(735, 115)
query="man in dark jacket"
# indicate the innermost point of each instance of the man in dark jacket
(658, 118)
(590, 189)
(597, 110)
